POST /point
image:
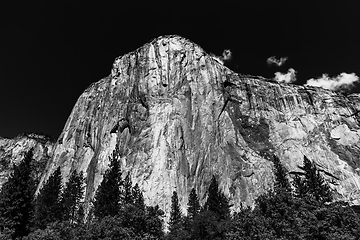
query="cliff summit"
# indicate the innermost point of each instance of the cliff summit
(179, 117)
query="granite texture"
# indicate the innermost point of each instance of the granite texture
(180, 116)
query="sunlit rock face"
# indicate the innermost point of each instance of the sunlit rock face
(179, 117)
(12, 151)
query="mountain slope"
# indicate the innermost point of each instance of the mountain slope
(179, 117)
(12, 151)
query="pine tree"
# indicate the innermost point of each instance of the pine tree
(281, 182)
(217, 201)
(323, 190)
(314, 182)
(212, 202)
(16, 197)
(154, 222)
(71, 197)
(300, 186)
(193, 204)
(48, 207)
(224, 206)
(175, 213)
(109, 195)
(310, 173)
(138, 197)
(128, 195)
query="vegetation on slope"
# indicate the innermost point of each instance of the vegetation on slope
(301, 209)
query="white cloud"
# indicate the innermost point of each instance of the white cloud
(340, 82)
(226, 56)
(278, 62)
(288, 77)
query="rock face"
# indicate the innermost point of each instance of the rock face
(179, 117)
(12, 151)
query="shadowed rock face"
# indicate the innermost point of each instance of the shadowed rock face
(179, 117)
(12, 151)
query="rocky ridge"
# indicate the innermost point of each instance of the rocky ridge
(12, 151)
(179, 117)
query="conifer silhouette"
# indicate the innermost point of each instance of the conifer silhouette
(281, 181)
(48, 208)
(299, 185)
(16, 197)
(193, 204)
(217, 201)
(109, 196)
(175, 213)
(314, 183)
(71, 197)
(138, 197)
(128, 194)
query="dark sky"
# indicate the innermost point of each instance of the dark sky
(51, 51)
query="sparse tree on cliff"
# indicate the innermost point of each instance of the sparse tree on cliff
(48, 208)
(71, 197)
(109, 195)
(16, 197)
(193, 204)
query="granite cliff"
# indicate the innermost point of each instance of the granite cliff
(179, 116)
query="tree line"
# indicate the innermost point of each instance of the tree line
(299, 209)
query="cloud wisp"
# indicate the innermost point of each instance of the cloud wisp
(226, 56)
(275, 61)
(344, 81)
(288, 77)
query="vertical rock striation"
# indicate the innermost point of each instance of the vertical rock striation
(179, 117)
